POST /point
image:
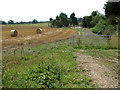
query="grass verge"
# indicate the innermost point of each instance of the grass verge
(51, 65)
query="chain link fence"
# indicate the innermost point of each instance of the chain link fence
(95, 41)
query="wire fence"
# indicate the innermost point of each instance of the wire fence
(95, 41)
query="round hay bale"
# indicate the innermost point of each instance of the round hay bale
(39, 31)
(14, 33)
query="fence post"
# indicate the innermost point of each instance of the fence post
(73, 40)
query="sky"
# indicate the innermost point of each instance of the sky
(42, 10)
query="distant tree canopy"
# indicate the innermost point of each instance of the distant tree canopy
(63, 21)
(94, 13)
(10, 22)
(3, 22)
(51, 19)
(73, 19)
(79, 20)
(34, 21)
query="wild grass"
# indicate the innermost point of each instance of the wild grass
(104, 54)
(51, 65)
(95, 42)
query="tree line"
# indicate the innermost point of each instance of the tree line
(104, 24)
(97, 22)
(23, 22)
(62, 20)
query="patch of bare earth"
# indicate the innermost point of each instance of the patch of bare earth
(100, 74)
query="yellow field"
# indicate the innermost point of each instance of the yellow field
(27, 35)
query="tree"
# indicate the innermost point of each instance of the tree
(99, 27)
(79, 20)
(3, 22)
(95, 19)
(112, 8)
(86, 21)
(74, 19)
(70, 21)
(64, 19)
(58, 22)
(10, 22)
(22, 22)
(17, 23)
(94, 13)
(51, 19)
(34, 21)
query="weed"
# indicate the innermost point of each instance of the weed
(56, 69)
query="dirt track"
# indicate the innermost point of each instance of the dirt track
(97, 69)
(101, 75)
(27, 35)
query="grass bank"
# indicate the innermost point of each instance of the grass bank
(51, 65)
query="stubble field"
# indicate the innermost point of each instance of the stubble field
(27, 35)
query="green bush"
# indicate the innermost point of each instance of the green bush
(109, 30)
(100, 27)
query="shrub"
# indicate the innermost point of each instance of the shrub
(100, 27)
(109, 30)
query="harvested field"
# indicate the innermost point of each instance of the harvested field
(27, 35)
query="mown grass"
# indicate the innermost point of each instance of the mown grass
(51, 65)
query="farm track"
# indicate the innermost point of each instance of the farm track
(101, 75)
(98, 69)
(27, 36)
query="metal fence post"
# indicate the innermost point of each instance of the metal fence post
(73, 40)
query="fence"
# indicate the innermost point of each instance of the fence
(95, 41)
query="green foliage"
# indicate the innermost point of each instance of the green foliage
(109, 30)
(100, 27)
(51, 19)
(56, 69)
(63, 21)
(111, 20)
(92, 20)
(10, 22)
(94, 13)
(73, 19)
(60, 21)
(3, 22)
(34, 21)
(96, 18)
(40, 77)
(86, 21)
(112, 8)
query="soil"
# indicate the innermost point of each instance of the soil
(99, 73)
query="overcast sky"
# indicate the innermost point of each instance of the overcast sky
(42, 10)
